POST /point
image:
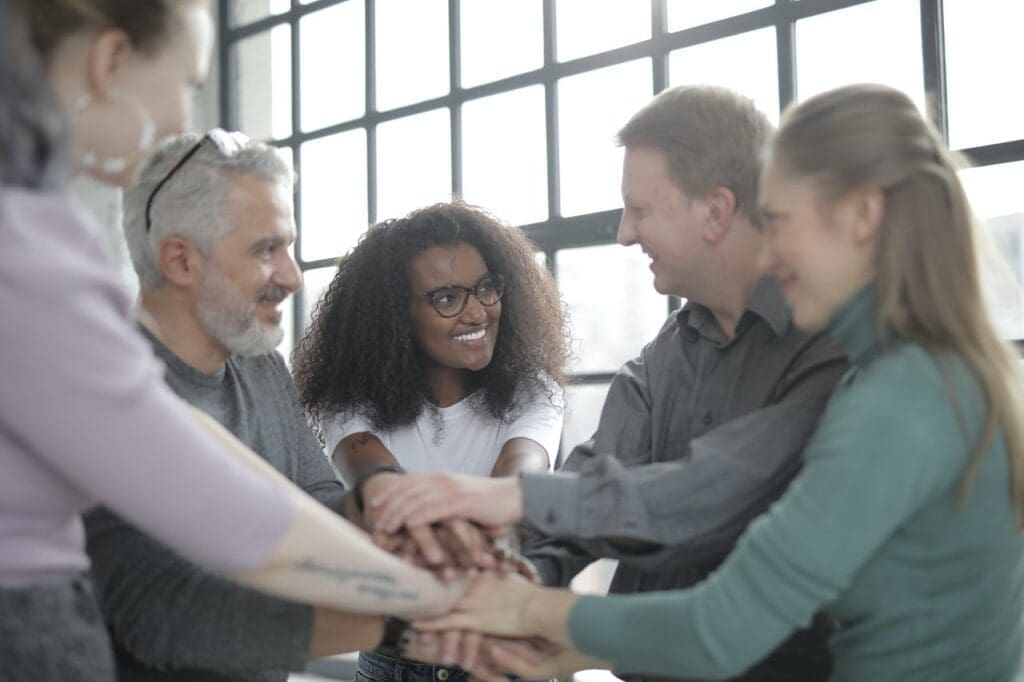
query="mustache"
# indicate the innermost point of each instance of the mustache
(272, 295)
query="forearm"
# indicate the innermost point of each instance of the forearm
(520, 455)
(337, 632)
(324, 560)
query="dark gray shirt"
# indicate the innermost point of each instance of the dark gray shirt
(171, 620)
(719, 425)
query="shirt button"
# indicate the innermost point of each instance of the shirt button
(707, 419)
(550, 517)
(442, 674)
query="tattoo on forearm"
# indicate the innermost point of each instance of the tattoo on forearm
(380, 585)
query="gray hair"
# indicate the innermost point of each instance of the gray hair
(191, 204)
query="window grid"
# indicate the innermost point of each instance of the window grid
(559, 232)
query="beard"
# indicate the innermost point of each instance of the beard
(225, 315)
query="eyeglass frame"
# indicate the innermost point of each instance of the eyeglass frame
(497, 281)
(227, 143)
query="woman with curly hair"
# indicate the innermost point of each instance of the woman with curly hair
(438, 346)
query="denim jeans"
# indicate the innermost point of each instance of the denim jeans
(374, 667)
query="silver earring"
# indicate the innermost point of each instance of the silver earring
(147, 133)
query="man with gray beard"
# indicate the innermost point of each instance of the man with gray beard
(209, 226)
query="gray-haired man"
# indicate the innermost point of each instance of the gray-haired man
(209, 226)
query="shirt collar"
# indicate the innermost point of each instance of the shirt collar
(766, 303)
(853, 325)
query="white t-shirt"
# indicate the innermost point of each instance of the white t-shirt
(470, 441)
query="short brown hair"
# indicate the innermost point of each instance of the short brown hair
(712, 137)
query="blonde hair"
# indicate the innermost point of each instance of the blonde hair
(928, 276)
(711, 136)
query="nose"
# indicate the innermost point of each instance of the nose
(289, 274)
(627, 229)
(474, 313)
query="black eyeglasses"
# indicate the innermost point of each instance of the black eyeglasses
(227, 143)
(451, 300)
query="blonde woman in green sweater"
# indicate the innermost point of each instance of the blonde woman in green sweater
(904, 524)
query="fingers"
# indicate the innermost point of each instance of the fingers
(473, 544)
(469, 652)
(429, 547)
(519, 659)
(417, 499)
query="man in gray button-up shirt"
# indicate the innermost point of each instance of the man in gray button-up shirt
(702, 431)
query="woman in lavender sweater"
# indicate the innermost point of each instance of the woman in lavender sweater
(85, 417)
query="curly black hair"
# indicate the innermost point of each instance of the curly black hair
(359, 351)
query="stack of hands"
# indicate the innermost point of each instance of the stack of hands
(461, 527)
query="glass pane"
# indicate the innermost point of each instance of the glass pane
(687, 13)
(994, 192)
(583, 403)
(248, 11)
(503, 138)
(334, 190)
(592, 107)
(876, 42)
(412, 51)
(414, 163)
(263, 88)
(747, 63)
(983, 37)
(613, 307)
(333, 65)
(591, 26)
(315, 283)
(500, 38)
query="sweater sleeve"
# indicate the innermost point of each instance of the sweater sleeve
(90, 402)
(888, 442)
(169, 614)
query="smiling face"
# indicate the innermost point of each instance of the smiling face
(250, 271)
(466, 341)
(663, 220)
(821, 253)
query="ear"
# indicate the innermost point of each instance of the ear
(867, 206)
(180, 261)
(105, 60)
(721, 207)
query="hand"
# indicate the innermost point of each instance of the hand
(508, 605)
(414, 500)
(444, 546)
(530, 659)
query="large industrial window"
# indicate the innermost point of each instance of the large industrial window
(386, 105)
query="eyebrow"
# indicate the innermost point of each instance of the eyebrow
(267, 241)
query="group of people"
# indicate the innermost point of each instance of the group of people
(814, 471)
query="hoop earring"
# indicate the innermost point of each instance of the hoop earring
(147, 132)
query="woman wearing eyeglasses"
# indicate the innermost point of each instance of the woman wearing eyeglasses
(85, 417)
(438, 346)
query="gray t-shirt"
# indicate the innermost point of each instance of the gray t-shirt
(171, 620)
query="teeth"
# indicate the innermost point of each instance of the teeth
(475, 336)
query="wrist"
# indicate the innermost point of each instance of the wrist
(359, 487)
(511, 494)
(396, 638)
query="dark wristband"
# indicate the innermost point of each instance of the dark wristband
(357, 487)
(397, 638)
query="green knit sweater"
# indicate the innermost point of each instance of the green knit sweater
(871, 531)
